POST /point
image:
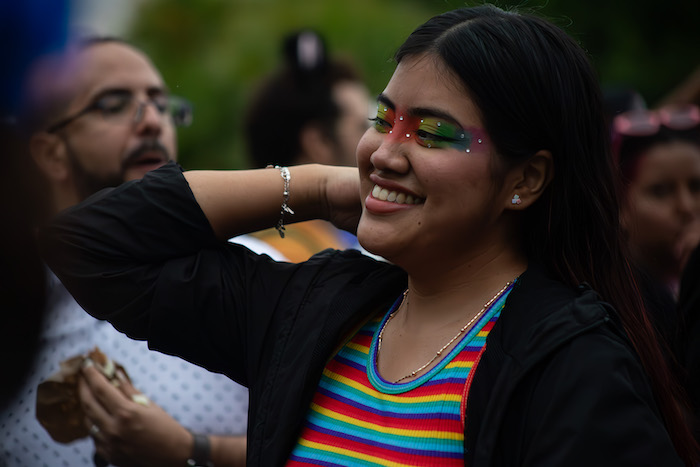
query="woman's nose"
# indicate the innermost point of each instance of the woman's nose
(392, 155)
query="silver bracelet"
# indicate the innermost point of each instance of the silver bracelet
(284, 173)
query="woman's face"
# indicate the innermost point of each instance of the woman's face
(662, 207)
(429, 194)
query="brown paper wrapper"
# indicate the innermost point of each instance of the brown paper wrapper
(58, 406)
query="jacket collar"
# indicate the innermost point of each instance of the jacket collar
(540, 313)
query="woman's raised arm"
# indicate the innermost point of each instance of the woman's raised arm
(242, 201)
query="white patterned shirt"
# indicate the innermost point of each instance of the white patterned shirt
(201, 401)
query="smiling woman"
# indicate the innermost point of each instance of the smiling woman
(504, 329)
(429, 146)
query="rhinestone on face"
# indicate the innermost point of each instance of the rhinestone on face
(408, 135)
(469, 150)
(401, 118)
(478, 140)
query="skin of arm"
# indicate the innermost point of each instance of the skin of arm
(243, 201)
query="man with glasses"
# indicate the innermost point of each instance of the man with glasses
(105, 114)
(100, 115)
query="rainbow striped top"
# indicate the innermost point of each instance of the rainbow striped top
(358, 418)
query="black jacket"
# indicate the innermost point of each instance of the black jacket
(557, 385)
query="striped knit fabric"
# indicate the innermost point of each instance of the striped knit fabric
(358, 418)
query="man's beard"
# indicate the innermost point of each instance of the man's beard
(87, 183)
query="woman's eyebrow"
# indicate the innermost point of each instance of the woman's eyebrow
(385, 100)
(432, 112)
(420, 111)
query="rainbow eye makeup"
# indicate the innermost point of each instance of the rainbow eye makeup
(384, 120)
(435, 133)
(428, 131)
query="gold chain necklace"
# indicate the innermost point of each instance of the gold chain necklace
(439, 352)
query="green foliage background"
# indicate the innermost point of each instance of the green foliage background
(214, 52)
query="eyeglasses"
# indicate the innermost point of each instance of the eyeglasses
(649, 122)
(122, 106)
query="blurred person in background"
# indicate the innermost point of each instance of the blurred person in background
(688, 92)
(100, 115)
(658, 154)
(314, 109)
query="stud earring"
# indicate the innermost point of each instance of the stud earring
(515, 200)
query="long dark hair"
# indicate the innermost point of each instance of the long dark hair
(536, 90)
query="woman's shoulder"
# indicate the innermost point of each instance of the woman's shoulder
(544, 296)
(547, 312)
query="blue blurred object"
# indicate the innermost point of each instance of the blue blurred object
(28, 28)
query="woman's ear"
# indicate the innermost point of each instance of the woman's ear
(49, 154)
(530, 179)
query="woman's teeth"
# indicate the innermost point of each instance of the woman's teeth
(394, 196)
